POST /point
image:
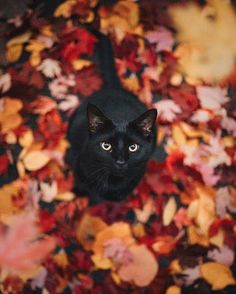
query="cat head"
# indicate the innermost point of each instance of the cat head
(121, 147)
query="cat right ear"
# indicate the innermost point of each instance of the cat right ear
(97, 121)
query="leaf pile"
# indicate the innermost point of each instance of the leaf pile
(176, 232)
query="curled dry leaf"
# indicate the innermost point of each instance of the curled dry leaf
(35, 160)
(217, 275)
(142, 269)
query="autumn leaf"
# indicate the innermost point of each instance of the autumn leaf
(87, 81)
(167, 110)
(87, 230)
(35, 160)
(5, 82)
(142, 269)
(20, 251)
(162, 38)
(211, 98)
(50, 68)
(169, 211)
(217, 275)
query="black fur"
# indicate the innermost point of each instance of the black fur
(117, 117)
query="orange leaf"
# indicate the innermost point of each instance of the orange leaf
(142, 269)
(87, 230)
(216, 274)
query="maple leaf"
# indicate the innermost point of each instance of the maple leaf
(168, 110)
(70, 103)
(42, 105)
(59, 86)
(162, 184)
(5, 82)
(20, 248)
(162, 38)
(211, 98)
(50, 68)
(223, 255)
(87, 81)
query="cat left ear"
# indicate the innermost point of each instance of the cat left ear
(96, 119)
(146, 122)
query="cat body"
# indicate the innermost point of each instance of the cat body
(112, 136)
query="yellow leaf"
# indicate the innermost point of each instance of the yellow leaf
(61, 259)
(35, 160)
(115, 278)
(66, 196)
(11, 122)
(178, 135)
(216, 274)
(173, 290)
(101, 262)
(35, 46)
(14, 52)
(218, 239)
(35, 59)
(26, 139)
(78, 64)
(19, 39)
(175, 267)
(196, 237)
(47, 31)
(131, 83)
(64, 9)
(138, 230)
(169, 212)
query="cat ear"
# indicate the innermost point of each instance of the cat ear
(146, 121)
(96, 119)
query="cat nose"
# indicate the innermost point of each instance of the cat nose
(120, 162)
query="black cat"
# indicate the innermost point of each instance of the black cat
(112, 136)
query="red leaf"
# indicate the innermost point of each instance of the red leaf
(4, 163)
(88, 81)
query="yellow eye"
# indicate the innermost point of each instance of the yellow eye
(106, 146)
(133, 148)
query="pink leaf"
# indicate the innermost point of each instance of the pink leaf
(167, 110)
(21, 250)
(162, 38)
(223, 255)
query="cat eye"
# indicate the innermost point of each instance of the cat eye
(133, 148)
(106, 146)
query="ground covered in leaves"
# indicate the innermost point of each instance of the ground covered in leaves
(176, 232)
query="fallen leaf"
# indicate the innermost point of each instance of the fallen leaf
(173, 290)
(50, 68)
(20, 251)
(34, 160)
(87, 229)
(169, 211)
(142, 269)
(217, 275)
(167, 110)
